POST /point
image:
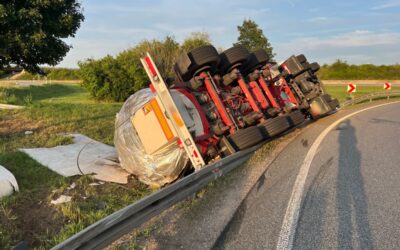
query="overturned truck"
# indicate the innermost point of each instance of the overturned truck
(217, 105)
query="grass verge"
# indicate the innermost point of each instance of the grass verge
(340, 92)
(52, 110)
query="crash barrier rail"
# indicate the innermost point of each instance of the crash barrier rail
(112, 227)
(370, 97)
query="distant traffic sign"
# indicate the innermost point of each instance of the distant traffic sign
(351, 88)
(387, 86)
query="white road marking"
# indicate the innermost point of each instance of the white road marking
(288, 230)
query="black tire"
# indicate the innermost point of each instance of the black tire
(314, 67)
(296, 118)
(246, 138)
(301, 58)
(205, 55)
(274, 126)
(188, 64)
(255, 60)
(231, 57)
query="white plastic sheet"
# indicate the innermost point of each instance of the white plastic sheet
(156, 169)
(84, 156)
(8, 183)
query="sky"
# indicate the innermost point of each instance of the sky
(359, 31)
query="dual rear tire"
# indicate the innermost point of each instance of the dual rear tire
(251, 136)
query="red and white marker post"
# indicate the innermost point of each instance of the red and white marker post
(387, 86)
(351, 88)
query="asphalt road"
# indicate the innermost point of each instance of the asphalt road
(351, 193)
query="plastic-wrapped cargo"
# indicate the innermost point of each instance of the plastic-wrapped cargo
(156, 169)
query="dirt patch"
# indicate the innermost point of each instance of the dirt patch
(14, 123)
(29, 218)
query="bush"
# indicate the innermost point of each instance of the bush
(116, 78)
(106, 79)
(125, 73)
(195, 40)
(63, 74)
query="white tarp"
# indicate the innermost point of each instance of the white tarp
(84, 156)
(8, 183)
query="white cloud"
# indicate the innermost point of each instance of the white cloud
(358, 38)
(318, 19)
(389, 4)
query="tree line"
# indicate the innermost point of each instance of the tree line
(341, 70)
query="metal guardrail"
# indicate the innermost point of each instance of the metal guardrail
(112, 227)
(370, 97)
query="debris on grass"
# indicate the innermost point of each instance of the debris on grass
(96, 183)
(10, 106)
(72, 186)
(62, 199)
(28, 132)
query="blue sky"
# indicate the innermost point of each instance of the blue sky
(356, 31)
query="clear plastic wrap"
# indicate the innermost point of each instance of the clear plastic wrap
(155, 170)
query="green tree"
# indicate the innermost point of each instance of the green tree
(163, 53)
(32, 31)
(195, 40)
(253, 38)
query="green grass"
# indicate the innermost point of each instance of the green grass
(49, 93)
(51, 111)
(340, 92)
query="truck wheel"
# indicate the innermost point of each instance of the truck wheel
(314, 67)
(256, 59)
(188, 64)
(205, 55)
(295, 118)
(301, 58)
(246, 138)
(233, 57)
(274, 126)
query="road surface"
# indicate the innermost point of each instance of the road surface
(336, 188)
